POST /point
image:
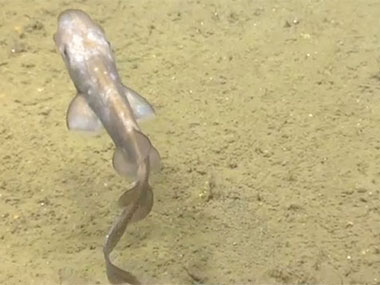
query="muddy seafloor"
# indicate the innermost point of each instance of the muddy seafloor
(268, 124)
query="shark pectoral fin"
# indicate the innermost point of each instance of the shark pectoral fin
(145, 201)
(141, 108)
(80, 116)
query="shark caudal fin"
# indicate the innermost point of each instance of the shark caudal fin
(81, 118)
(127, 162)
(141, 108)
(145, 201)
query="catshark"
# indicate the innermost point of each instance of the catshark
(102, 101)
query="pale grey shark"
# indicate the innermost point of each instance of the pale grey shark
(103, 101)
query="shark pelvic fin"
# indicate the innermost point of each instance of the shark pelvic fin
(125, 160)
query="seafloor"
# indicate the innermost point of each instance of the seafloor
(268, 124)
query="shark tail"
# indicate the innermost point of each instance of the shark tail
(137, 166)
(144, 198)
